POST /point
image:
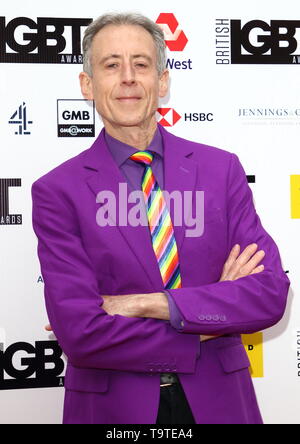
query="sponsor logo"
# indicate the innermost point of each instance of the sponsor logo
(5, 217)
(269, 116)
(295, 196)
(44, 40)
(253, 344)
(175, 38)
(23, 365)
(169, 117)
(20, 119)
(257, 42)
(75, 118)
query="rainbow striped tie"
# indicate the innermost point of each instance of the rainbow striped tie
(160, 224)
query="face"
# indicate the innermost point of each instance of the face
(125, 84)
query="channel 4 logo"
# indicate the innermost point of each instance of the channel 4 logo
(44, 40)
(20, 119)
(75, 118)
(257, 42)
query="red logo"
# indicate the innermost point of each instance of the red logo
(175, 38)
(169, 116)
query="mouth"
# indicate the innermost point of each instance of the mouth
(128, 99)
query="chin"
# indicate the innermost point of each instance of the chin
(130, 122)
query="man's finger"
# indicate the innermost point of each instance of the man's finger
(243, 259)
(258, 269)
(48, 327)
(252, 263)
(246, 254)
(233, 255)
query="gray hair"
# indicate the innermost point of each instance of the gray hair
(124, 19)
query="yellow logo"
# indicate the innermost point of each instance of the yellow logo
(295, 196)
(254, 347)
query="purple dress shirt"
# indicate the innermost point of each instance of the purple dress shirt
(133, 173)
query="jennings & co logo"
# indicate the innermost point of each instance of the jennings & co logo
(23, 365)
(257, 42)
(269, 115)
(5, 217)
(44, 40)
(75, 118)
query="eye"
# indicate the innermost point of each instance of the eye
(141, 65)
(112, 65)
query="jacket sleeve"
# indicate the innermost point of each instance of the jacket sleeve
(87, 334)
(248, 304)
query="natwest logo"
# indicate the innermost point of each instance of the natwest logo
(175, 38)
(167, 116)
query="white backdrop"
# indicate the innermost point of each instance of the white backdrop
(250, 109)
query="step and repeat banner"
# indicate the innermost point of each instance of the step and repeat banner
(235, 72)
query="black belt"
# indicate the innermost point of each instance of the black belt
(167, 379)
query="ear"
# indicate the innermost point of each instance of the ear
(164, 83)
(86, 86)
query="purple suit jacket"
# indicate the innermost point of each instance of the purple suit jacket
(114, 362)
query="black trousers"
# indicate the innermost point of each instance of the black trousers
(173, 406)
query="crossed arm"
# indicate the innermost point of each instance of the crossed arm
(155, 305)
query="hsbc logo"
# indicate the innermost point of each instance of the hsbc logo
(175, 38)
(169, 117)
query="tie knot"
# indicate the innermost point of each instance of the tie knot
(145, 157)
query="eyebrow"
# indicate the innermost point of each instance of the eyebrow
(118, 56)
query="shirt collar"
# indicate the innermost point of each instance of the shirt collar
(121, 151)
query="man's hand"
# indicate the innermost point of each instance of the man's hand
(241, 265)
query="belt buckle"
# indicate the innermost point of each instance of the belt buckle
(166, 385)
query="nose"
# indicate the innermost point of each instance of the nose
(127, 74)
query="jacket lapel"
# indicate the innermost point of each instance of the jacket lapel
(105, 175)
(179, 176)
(180, 173)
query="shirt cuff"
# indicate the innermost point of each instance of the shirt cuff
(176, 318)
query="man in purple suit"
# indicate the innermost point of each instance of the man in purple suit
(140, 351)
